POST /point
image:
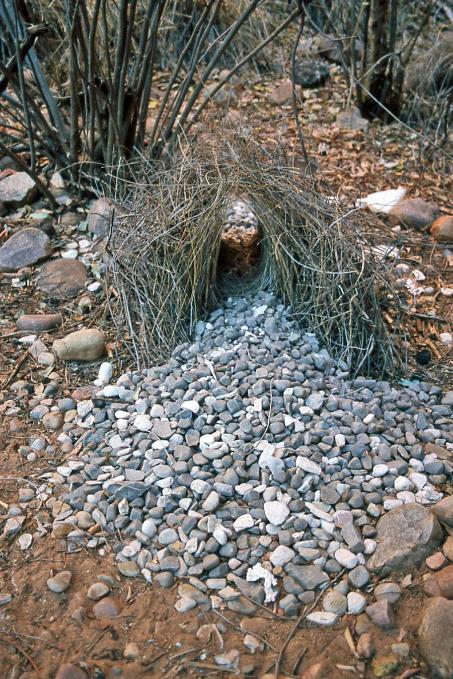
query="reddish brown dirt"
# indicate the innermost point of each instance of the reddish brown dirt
(39, 624)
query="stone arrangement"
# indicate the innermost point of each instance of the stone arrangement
(254, 468)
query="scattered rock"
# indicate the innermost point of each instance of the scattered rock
(435, 637)
(282, 94)
(60, 582)
(406, 536)
(17, 189)
(185, 604)
(335, 602)
(62, 278)
(24, 248)
(39, 322)
(365, 646)
(442, 229)
(276, 512)
(322, 618)
(53, 421)
(444, 510)
(97, 591)
(440, 583)
(414, 213)
(311, 73)
(390, 591)
(381, 614)
(385, 665)
(5, 598)
(356, 603)
(448, 548)
(129, 569)
(436, 561)
(101, 214)
(106, 608)
(87, 344)
(70, 671)
(351, 119)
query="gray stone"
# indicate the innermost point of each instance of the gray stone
(381, 614)
(24, 248)
(322, 618)
(335, 602)
(356, 603)
(352, 120)
(276, 512)
(129, 569)
(97, 591)
(310, 577)
(102, 214)
(60, 582)
(435, 637)
(390, 591)
(62, 278)
(17, 189)
(405, 536)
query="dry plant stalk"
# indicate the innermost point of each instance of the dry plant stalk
(164, 255)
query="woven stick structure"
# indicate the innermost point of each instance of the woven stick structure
(164, 255)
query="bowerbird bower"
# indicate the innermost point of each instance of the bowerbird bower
(169, 254)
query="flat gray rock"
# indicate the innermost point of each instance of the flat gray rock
(310, 577)
(405, 536)
(17, 189)
(24, 248)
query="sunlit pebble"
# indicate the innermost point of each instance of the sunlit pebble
(446, 338)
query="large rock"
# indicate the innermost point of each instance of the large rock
(101, 214)
(442, 229)
(311, 73)
(62, 278)
(87, 344)
(17, 189)
(351, 119)
(24, 248)
(443, 510)
(435, 637)
(39, 322)
(406, 536)
(414, 213)
(282, 94)
(440, 583)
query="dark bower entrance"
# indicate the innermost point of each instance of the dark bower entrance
(240, 250)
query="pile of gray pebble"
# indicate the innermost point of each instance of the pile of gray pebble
(251, 465)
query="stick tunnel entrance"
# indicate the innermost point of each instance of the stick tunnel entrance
(240, 250)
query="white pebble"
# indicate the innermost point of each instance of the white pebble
(193, 406)
(322, 618)
(403, 483)
(356, 603)
(380, 470)
(243, 522)
(143, 423)
(346, 558)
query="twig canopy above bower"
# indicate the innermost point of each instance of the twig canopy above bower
(164, 255)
